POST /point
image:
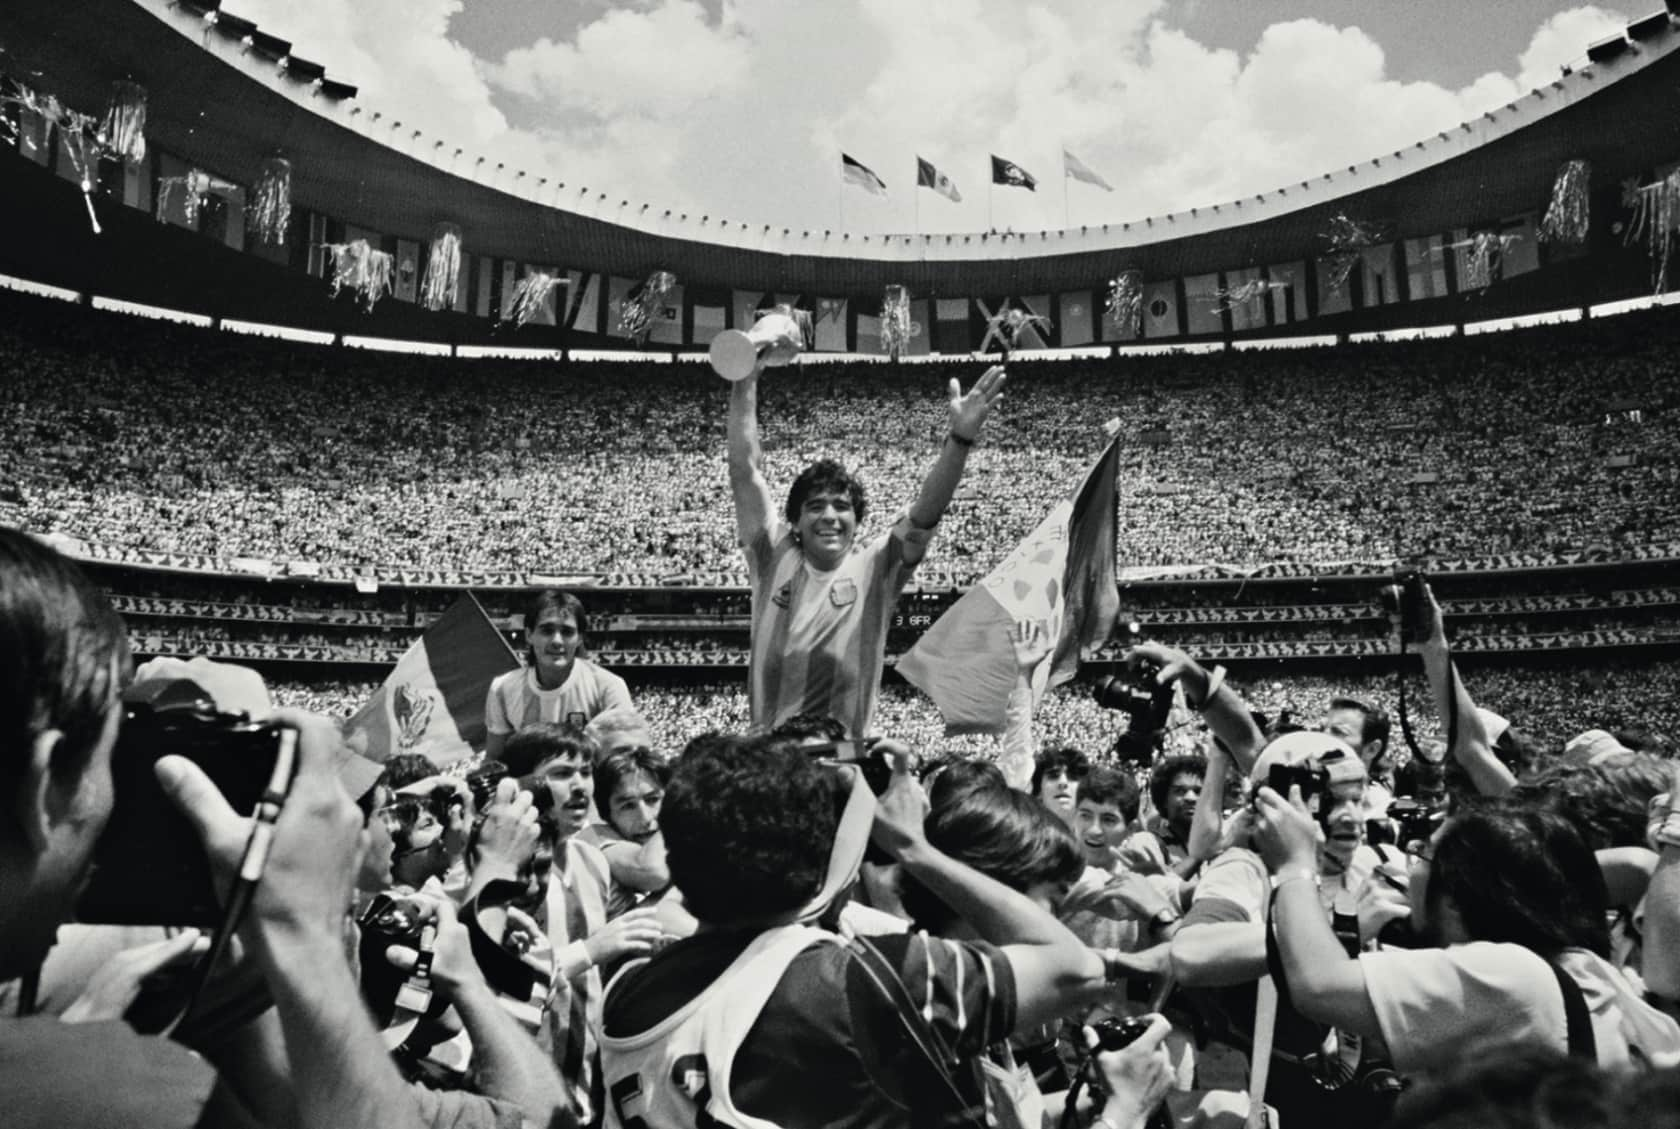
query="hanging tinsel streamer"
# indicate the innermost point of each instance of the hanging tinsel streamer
(362, 269)
(269, 212)
(895, 321)
(192, 188)
(635, 315)
(1656, 219)
(1567, 215)
(77, 131)
(529, 296)
(1125, 302)
(1252, 290)
(123, 131)
(1346, 238)
(443, 268)
(1481, 256)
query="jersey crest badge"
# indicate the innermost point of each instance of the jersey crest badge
(843, 592)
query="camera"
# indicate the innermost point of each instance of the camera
(875, 767)
(1413, 821)
(385, 922)
(1313, 780)
(1116, 1033)
(482, 782)
(149, 866)
(1147, 705)
(1408, 598)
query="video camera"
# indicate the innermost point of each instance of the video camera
(1147, 705)
(1408, 598)
(149, 866)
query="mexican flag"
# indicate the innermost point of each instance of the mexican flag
(1063, 574)
(433, 701)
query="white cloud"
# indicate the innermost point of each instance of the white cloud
(743, 113)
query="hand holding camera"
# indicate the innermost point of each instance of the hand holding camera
(453, 969)
(508, 836)
(1136, 1069)
(1412, 607)
(902, 808)
(1285, 829)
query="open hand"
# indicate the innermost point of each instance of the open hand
(634, 933)
(116, 985)
(970, 409)
(1031, 640)
(901, 810)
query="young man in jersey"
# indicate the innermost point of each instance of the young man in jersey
(557, 684)
(820, 610)
(732, 1019)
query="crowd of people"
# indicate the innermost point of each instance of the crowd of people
(635, 907)
(1457, 448)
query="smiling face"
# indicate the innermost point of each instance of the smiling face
(570, 778)
(1100, 827)
(554, 642)
(827, 526)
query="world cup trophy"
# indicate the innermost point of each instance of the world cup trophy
(775, 339)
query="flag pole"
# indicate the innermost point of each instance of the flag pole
(1066, 221)
(916, 194)
(840, 196)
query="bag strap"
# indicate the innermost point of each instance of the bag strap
(933, 1048)
(1582, 1042)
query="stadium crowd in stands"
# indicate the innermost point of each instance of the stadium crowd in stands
(1285, 456)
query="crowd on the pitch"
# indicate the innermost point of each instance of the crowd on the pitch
(1287, 456)
(1084, 935)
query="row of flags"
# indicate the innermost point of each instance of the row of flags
(1004, 172)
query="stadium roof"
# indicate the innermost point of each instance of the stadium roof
(224, 94)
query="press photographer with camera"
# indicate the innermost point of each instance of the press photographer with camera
(63, 660)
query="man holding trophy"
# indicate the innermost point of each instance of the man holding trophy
(820, 604)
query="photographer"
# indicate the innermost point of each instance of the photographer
(1225, 712)
(1516, 898)
(63, 658)
(754, 998)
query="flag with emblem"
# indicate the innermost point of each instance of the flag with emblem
(433, 701)
(929, 177)
(1012, 175)
(1062, 575)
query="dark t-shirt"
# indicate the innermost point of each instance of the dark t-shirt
(829, 1049)
(97, 1075)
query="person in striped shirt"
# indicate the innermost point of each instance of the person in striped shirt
(820, 603)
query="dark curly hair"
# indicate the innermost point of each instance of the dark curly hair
(824, 476)
(1106, 785)
(1522, 876)
(1053, 760)
(749, 825)
(1161, 778)
(612, 769)
(1002, 833)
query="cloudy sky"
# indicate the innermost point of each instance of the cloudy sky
(740, 108)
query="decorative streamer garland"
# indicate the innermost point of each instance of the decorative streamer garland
(635, 315)
(1656, 218)
(1568, 215)
(364, 270)
(268, 212)
(443, 268)
(895, 321)
(529, 296)
(123, 132)
(79, 132)
(195, 185)
(1125, 302)
(1346, 237)
(1246, 292)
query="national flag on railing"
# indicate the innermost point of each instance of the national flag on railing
(1062, 575)
(1079, 170)
(860, 174)
(1012, 175)
(433, 700)
(929, 177)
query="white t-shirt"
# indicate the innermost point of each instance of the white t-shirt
(515, 699)
(1435, 1006)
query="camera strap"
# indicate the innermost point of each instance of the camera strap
(1583, 1043)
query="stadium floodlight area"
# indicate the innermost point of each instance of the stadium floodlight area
(392, 345)
(1415, 333)
(281, 332)
(507, 353)
(1500, 325)
(39, 289)
(1317, 341)
(157, 313)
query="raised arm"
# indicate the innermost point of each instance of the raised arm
(968, 412)
(754, 510)
(1661, 961)
(1030, 639)
(1470, 747)
(1223, 709)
